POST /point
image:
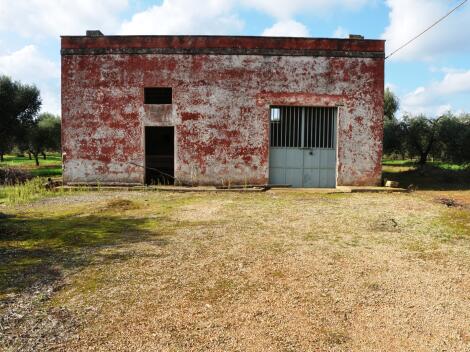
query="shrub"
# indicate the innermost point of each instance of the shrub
(13, 176)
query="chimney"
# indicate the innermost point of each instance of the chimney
(356, 36)
(94, 33)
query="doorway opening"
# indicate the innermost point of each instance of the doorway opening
(159, 155)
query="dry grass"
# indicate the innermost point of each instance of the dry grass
(278, 271)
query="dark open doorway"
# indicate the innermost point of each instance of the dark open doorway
(159, 155)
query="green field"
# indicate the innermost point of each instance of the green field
(412, 163)
(51, 167)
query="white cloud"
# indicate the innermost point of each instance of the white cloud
(391, 86)
(442, 109)
(436, 98)
(29, 66)
(35, 18)
(340, 32)
(28, 62)
(50, 99)
(286, 9)
(39, 18)
(286, 28)
(409, 18)
(454, 82)
(185, 17)
(220, 17)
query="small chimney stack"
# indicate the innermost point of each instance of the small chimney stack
(94, 33)
(356, 36)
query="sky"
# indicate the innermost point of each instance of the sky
(431, 76)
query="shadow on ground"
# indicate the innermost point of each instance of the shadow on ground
(37, 250)
(430, 178)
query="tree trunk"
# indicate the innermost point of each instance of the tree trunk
(29, 155)
(424, 154)
(423, 157)
(36, 158)
(43, 155)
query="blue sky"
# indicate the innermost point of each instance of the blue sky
(431, 76)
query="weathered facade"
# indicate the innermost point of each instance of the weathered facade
(221, 94)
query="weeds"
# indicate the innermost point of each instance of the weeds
(29, 191)
(458, 221)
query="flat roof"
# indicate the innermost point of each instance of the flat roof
(221, 45)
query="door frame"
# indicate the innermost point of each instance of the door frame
(336, 134)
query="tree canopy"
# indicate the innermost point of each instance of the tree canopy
(19, 105)
(391, 105)
(446, 137)
(21, 126)
(43, 134)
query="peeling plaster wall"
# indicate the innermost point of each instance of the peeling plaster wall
(220, 112)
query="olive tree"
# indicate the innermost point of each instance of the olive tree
(420, 136)
(19, 104)
(391, 105)
(43, 134)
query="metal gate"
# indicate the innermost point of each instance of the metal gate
(303, 146)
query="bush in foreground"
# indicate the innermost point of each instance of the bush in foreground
(12, 176)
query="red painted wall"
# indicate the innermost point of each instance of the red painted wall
(220, 104)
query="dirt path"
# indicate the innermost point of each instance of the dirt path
(278, 271)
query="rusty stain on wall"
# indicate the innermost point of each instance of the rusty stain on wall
(222, 90)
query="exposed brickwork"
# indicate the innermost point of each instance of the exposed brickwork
(220, 104)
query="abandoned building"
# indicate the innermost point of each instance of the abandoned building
(212, 110)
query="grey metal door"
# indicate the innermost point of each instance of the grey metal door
(303, 146)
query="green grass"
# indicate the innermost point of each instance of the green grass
(393, 162)
(13, 160)
(457, 220)
(44, 171)
(42, 243)
(51, 167)
(34, 243)
(30, 191)
(413, 163)
(33, 189)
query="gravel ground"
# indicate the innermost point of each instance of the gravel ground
(28, 324)
(277, 271)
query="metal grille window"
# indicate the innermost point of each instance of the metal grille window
(303, 127)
